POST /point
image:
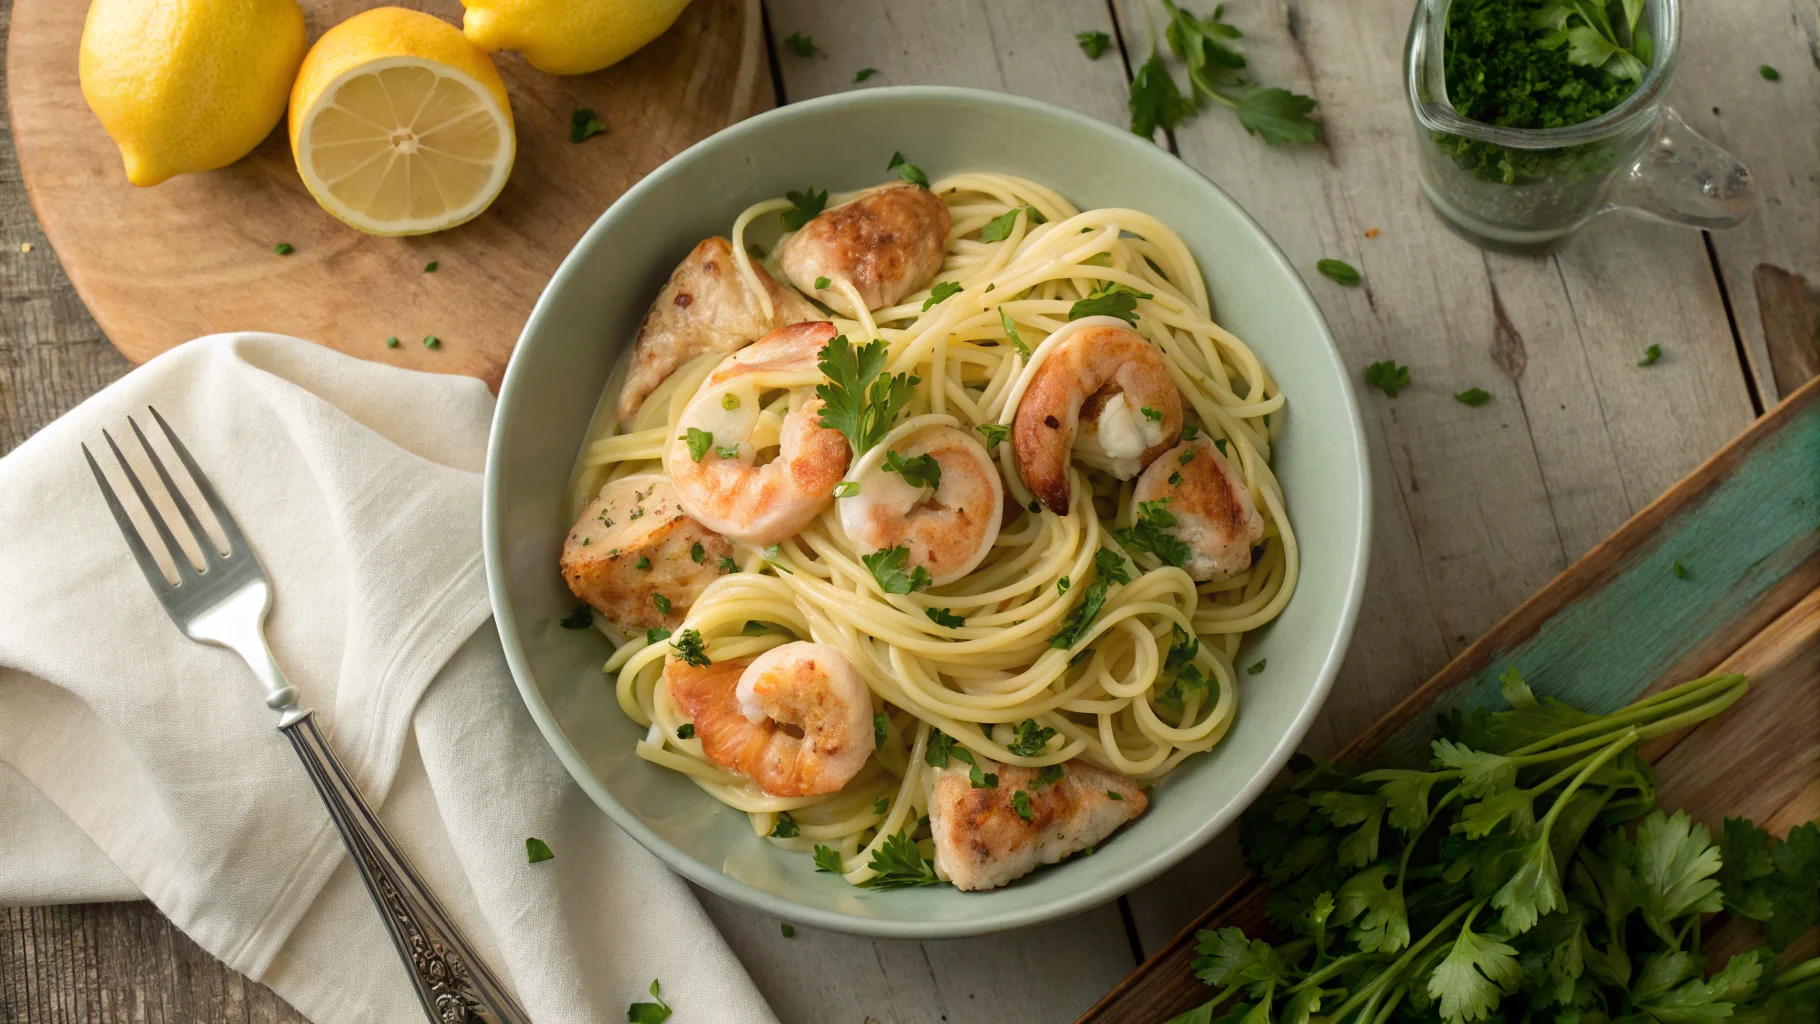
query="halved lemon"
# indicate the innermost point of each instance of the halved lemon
(400, 125)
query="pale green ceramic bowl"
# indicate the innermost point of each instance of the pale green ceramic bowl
(591, 310)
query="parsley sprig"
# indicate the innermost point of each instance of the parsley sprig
(1598, 34)
(1215, 70)
(861, 400)
(1506, 881)
(887, 567)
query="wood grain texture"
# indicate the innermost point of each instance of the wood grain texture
(193, 256)
(1549, 640)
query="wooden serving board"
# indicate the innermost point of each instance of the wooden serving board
(159, 266)
(1620, 622)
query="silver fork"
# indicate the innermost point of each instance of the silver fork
(225, 603)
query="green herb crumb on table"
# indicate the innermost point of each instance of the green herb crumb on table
(649, 1013)
(584, 124)
(1539, 65)
(1769, 74)
(537, 851)
(282, 249)
(863, 73)
(1525, 876)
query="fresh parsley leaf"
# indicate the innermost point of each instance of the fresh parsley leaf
(918, 471)
(881, 805)
(1093, 598)
(945, 617)
(1375, 909)
(1387, 377)
(801, 45)
(1155, 101)
(887, 566)
(1030, 739)
(685, 731)
(1481, 772)
(907, 170)
(978, 777)
(649, 1013)
(805, 207)
(1214, 66)
(1150, 532)
(690, 648)
(1011, 335)
(1769, 74)
(786, 827)
(727, 564)
(1473, 397)
(1744, 863)
(788, 929)
(846, 489)
(826, 859)
(822, 283)
(284, 248)
(656, 634)
(994, 433)
(1650, 355)
(581, 618)
(1094, 43)
(1062, 585)
(863, 73)
(697, 553)
(1052, 773)
(1340, 271)
(1675, 864)
(939, 749)
(881, 729)
(1679, 570)
(942, 291)
(1020, 802)
(584, 124)
(1118, 300)
(537, 851)
(1153, 415)
(899, 864)
(1257, 668)
(860, 400)
(1110, 566)
(999, 228)
(644, 562)
(1475, 976)
(661, 603)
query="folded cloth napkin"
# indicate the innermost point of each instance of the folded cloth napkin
(134, 762)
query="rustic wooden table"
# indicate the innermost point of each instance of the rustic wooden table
(1474, 509)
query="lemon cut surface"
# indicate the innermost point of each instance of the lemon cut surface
(402, 143)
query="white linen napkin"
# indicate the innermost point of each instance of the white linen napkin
(133, 761)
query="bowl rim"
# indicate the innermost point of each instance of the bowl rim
(1100, 888)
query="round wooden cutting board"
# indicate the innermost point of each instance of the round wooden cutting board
(159, 266)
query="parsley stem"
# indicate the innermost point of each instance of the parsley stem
(1798, 975)
(1391, 972)
(1616, 747)
(1338, 965)
(1390, 1007)
(1690, 692)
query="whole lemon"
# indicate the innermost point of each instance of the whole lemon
(569, 37)
(188, 85)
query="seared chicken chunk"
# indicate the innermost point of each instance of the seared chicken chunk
(704, 307)
(1213, 510)
(632, 555)
(982, 842)
(887, 241)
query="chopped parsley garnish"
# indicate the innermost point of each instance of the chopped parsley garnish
(1153, 415)
(940, 746)
(945, 617)
(537, 851)
(907, 170)
(727, 451)
(1185, 458)
(919, 471)
(392, 342)
(994, 433)
(1093, 598)
(1011, 335)
(826, 859)
(656, 634)
(1474, 397)
(432, 342)
(584, 124)
(1679, 570)
(1175, 478)
(1111, 795)
(805, 207)
(697, 553)
(846, 488)
(861, 400)
(1190, 431)
(1151, 533)
(1109, 299)
(863, 73)
(1220, 443)
(881, 805)
(1110, 565)
(1769, 74)
(1255, 669)
(785, 827)
(1049, 773)
(430, 267)
(887, 566)
(1030, 738)
(690, 648)
(899, 864)
(661, 603)
(685, 731)
(801, 45)
(979, 778)
(1062, 585)
(821, 283)
(1092, 43)
(1387, 377)
(999, 228)
(1340, 271)
(284, 248)
(729, 401)
(699, 442)
(881, 728)
(1099, 259)
(943, 291)
(1020, 802)
(789, 930)
(727, 564)
(775, 552)
(1650, 355)
(581, 618)
(649, 1013)
(644, 562)
(1156, 101)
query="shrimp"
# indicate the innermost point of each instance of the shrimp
(982, 842)
(1117, 383)
(726, 488)
(948, 519)
(1213, 510)
(796, 720)
(704, 307)
(887, 242)
(632, 554)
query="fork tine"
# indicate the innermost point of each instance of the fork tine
(203, 540)
(147, 564)
(185, 570)
(229, 529)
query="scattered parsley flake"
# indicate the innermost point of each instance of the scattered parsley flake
(827, 860)
(729, 401)
(656, 634)
(1092, 43)
(1340, 271)
(907, 170)
(846, 488)
(392, 342)
(822, 283)
(1387, 377)
(1474, 397)
(1049, 773)
(1255, 669)
(1151, 533)
(921, 471)
(805, 207)
(699, 442)
(685, 731)
(887, 566)
(697, 553)
(1650, 355)
(690, 648)
(994, 433)
(727, 451)
(1679, 570)
(581, 618)
(284, 248)
(537, 851)
(432, 342)
(644, 562)
(1093, 598)
(661, 603)
(1153, 415)
(1110, 299)
(942, 292)
(999, 228)
(1011, 335)
(1030, 739)
(584, 125)
(789, 930)
(881, 805)
(881, 729)
(863, 73)
(1112, 795)
(727, 564)
(1062, 585)
(1769, 74)
(1020, 802)
(649, 1013)
(945, 617)
(785, 828)
(801, 45)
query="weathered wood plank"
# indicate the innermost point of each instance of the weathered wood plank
(1770, 126)
(1475, 508)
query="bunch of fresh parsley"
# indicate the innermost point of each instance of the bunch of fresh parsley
(1215, 69)
(1504, 884)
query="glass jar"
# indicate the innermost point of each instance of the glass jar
(1529, 190)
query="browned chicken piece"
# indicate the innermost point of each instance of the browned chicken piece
(982, 842)
(704, 307)
(634, 545)
(1213, 510)
(887, 241)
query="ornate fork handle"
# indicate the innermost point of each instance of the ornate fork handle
(451, 980)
